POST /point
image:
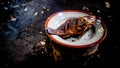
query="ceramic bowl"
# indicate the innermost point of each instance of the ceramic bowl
(92, 37)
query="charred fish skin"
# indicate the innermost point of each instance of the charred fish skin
(73, 26)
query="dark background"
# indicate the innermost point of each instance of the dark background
(22, 30)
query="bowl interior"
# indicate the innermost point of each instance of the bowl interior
(91, 36)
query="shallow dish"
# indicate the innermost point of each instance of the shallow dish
(92, 37)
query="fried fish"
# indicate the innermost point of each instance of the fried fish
(73, 26)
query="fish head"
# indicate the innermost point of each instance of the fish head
(90, 18)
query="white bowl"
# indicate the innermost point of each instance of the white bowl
(91, 38)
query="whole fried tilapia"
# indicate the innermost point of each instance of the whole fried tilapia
(73, 26)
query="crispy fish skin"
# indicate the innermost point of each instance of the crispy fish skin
(73, 26)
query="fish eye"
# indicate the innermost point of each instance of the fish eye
(92, 17)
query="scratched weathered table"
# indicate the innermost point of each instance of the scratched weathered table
(24, 43)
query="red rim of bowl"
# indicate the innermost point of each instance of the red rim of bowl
(72, 46)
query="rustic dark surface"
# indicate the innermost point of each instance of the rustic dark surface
(23, 39)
